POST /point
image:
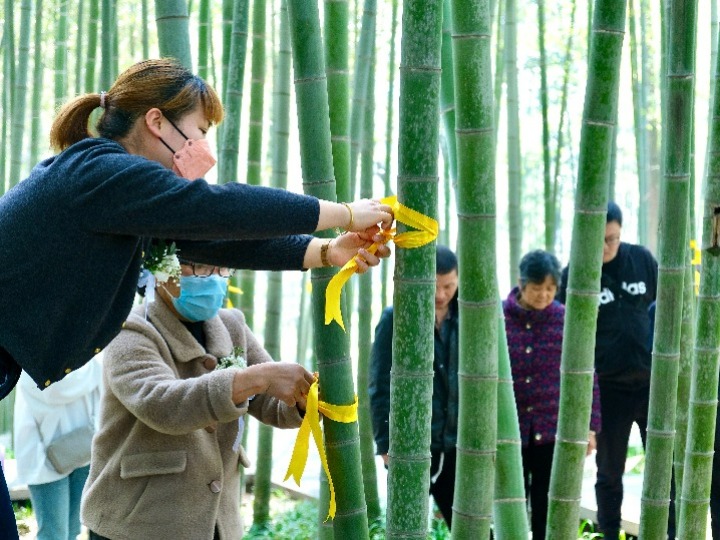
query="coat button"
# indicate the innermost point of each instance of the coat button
(538, 436)
(528, 350)
(215, 486)
(210, 363)
(528, 326)
(529, 409)
(97, 350)
(123, 325)
(528, 379)
(47, 383)
(68, 370)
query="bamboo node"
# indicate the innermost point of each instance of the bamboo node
(661, 433)
(476, 517)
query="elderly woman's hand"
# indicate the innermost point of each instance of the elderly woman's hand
(349, 245)
(290, 383)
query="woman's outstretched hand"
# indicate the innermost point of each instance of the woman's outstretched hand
(356, 244)
(367, 213)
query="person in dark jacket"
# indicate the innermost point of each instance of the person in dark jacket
(90, 212)
(534, 327)
(445, 383)
(622, 360)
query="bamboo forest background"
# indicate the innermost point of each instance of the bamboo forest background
(532, 57)
(71, 43)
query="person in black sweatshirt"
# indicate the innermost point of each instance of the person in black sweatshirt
(622, 360)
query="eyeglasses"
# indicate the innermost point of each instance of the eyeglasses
(207, 270)
(612, 240)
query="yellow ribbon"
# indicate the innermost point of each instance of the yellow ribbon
(311, 424)
(426, 233)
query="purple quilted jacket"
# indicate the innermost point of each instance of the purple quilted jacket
(535, 345)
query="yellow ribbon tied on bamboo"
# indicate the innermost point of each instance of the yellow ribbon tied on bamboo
(311, 424)
(427, 231)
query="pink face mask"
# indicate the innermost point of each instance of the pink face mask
(194, 159)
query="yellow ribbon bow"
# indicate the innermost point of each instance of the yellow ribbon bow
(426, 233)
(311, 424)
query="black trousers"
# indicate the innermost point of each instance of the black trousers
(537, 464)
(9, 374)
(8, 528)
(715, 485)
(442, 482)
(620, 409)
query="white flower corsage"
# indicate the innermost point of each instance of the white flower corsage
(235, 359)
(162, 261)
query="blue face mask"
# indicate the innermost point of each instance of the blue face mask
(200, 297)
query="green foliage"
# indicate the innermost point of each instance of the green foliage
(586, 531)
(297, 523)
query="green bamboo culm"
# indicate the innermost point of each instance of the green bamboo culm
(230, 141)
(338, 83)
(279, 159)
(228, 9)
(513, 139)
(79, 49)
(172, 18)
(255, 135)
(447, 96)
(145, 34)
(640, 121)
(273, 310)
(547, 186)
(363, 61)
(499, 75)
(447, 115)
(560, 140)
(204, 26)
(90, 72)
(687, 342)
(510, 506)
(36, 100)
(577, 364)
(389, 137)
(60, 69)
(109, 28)
(411, 379)
(703, 398)
(8, 53)
(331, 343)
(366, 296)
(20, 94)
(477, 286)
(672, 264)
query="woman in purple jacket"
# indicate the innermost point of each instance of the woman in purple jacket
(534, 327)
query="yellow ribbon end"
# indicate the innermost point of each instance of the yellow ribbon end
(234, 289)
(426, 233)
(311, 424)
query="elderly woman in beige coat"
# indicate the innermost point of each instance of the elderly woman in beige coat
(166, 458)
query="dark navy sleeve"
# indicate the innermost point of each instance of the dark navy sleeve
(110, 191)
(285, 253)
(379, 387)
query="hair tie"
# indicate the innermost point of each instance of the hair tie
(102, 99)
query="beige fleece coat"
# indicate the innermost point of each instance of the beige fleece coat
(156, 472)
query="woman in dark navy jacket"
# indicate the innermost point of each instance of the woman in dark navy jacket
(77, 228)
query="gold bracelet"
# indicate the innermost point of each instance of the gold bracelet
(352, 218)
(323, 253)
